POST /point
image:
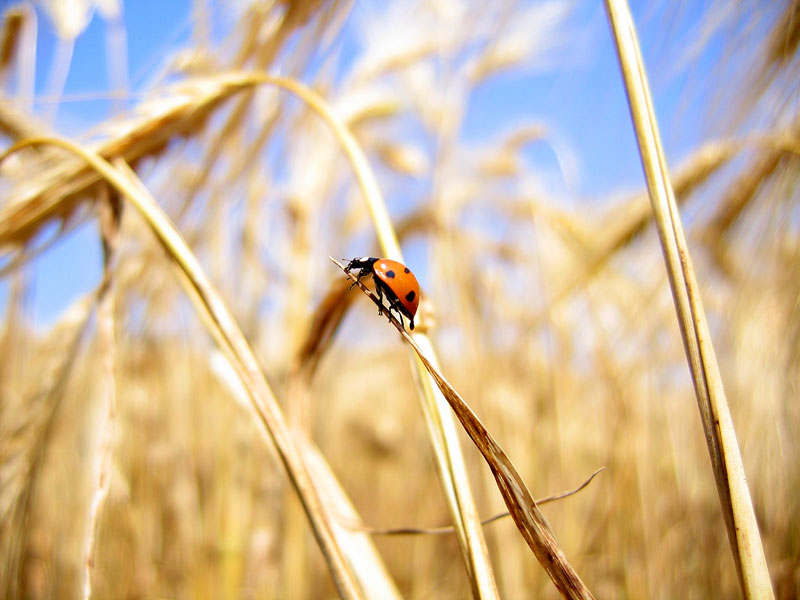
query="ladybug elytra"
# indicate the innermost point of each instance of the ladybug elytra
(393, 280)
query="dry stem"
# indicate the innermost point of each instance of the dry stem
(527, 516)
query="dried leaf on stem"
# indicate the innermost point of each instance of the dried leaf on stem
(527, 516)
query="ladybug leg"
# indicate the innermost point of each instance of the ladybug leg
(400, 315)
(379, 291)
(395, 305)
(359, 275)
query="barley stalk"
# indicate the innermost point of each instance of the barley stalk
(737, 506)
(110, 217)
(526, 514)
(450, 460)
(230, 338)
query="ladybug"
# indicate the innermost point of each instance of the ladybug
(393, 280)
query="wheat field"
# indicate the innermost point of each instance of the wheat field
(221, 414)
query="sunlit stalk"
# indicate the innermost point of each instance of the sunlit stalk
(737, 507)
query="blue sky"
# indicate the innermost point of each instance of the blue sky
(582, 101)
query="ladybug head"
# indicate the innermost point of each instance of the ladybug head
(365, 263)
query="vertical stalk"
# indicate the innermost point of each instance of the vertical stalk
(439, 419)
(737, 507)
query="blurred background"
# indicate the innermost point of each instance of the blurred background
(501, 139)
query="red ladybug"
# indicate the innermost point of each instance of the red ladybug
(393, 280)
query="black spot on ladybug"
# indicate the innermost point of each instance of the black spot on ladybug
(410, 295)
(390, 274)
(406, 270)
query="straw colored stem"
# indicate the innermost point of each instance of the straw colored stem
(364, 176)
(110, 216)
(226, 331)
(726, 460)
(441, 427)
(526, 514)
